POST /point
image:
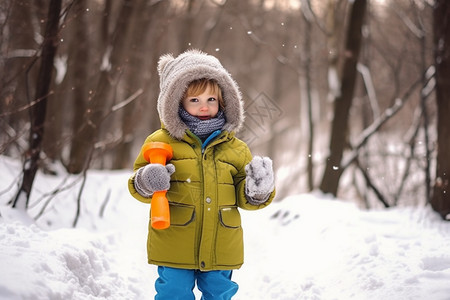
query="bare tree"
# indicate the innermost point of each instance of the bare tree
(343, 102)
(17, 56)
(441, 27)
(38, 111)
(98, 106)
(139, 79)
(112, 48)
(307, 62)
(78, 75)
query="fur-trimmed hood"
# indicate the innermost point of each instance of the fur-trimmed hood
(175, 76)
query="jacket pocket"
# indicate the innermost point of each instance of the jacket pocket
(175, 244)
(181, 214)
(230, 217)
(229, 243)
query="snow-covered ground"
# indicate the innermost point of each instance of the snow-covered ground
(303, 247)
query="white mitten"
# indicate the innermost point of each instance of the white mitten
(259, 182)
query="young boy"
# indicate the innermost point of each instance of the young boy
(211, 175)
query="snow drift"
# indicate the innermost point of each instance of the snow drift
(303, 247)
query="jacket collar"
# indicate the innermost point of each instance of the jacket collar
(214, 139)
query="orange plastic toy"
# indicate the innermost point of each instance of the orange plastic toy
(158, 153)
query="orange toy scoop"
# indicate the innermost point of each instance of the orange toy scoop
(157, 152)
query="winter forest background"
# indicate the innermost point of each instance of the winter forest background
(347, 97)
(351, 99)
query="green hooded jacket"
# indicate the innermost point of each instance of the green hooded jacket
(207, 188)
(205, 193)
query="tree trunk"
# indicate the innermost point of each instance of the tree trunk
(79, 76)
(186, 37)
(101, 101)
(132, 113)
(441, 26)
(17, 56)
(343, 102)
(307, 103)
(38, 111)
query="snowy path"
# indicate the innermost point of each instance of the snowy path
(304, 247)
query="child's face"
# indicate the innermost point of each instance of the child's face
(204, 106)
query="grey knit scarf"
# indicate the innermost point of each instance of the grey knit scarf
(202, 128)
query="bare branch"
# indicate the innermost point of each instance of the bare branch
(219, 2)
(418, 32)
(368, 83)
(62, 187)
(372, 185)
(311, 16)
(411, 137)
(128, 100)
(105, 202)
(387, 114)
(27, 106)
(80, 192)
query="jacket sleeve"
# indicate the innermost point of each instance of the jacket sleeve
(138, 163)
(160, 135)
(239, 181)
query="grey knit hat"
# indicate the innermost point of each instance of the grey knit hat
(175, 76)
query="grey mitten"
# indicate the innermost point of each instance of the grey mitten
(152, 178)
(259, 183)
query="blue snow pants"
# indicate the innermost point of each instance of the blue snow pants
(174, 284)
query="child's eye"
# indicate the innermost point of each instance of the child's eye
(212, 99)
(193, 100)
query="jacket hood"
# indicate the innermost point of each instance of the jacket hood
(176, 74)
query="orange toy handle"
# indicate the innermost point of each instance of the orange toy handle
(158, 153)
(160, 213)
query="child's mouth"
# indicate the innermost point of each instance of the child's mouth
(204, 117)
